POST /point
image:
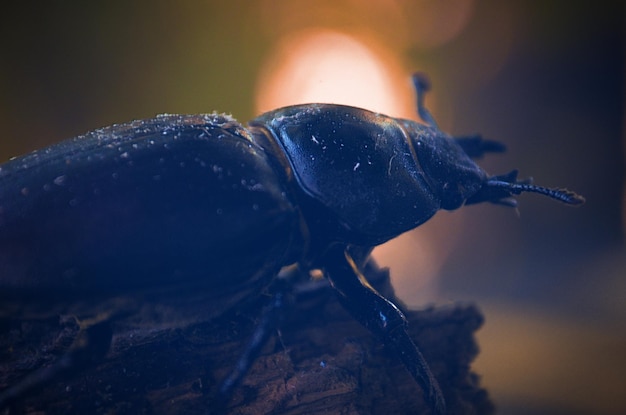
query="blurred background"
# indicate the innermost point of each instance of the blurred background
(546, 78)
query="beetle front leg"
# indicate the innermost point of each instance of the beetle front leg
(269, 322)
(422, 85)
(266, 327)
(475, 146)
(382, 318)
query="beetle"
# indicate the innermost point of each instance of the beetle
(160, 211)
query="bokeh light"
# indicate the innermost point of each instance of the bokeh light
(321, 65)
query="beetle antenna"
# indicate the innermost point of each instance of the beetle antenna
(422, 85)
(562, 195)
(509, 184)
(499, 190)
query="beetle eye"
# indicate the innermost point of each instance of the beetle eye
(452, 197)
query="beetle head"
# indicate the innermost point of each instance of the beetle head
(450, 173)
(455, 179)
(453, 176)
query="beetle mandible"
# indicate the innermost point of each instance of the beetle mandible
(187, 204)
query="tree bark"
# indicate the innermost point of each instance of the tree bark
(320, 361)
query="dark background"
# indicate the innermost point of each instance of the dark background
(546, 78)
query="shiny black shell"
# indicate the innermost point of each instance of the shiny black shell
(360, 165)
(165, 202)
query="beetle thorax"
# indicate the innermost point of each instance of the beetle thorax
(354, 168)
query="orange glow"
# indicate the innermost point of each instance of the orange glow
(320, 65)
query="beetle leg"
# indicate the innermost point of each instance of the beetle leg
(382, 318)
(421, 85)
(475, 146)
(269, 322)
(90, 345)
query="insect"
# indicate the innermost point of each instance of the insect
(162, 211)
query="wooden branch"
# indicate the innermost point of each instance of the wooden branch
(322, 361)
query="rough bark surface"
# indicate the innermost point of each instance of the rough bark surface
(320, 361)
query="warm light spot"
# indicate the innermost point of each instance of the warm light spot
(320, 65)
